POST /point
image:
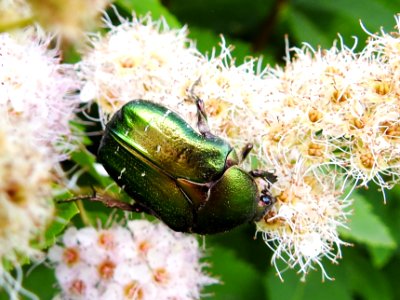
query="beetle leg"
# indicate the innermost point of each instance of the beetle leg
(246, 150)
(137, 207)
(269, 176)
(202, 123)
(107, 201)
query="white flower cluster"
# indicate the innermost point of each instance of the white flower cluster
(138, 60)
(25, 190)
(141, 261)
(34, 135)
(335, 126)
(325, 123)
(36, 90)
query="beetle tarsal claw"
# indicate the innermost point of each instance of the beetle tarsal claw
(246, 150)
(266, 175)
(196, 83)
(202, 123)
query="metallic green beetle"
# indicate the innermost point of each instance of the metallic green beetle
(190, 180)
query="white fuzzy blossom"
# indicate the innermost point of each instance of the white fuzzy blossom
(35, 111)
(138, 60)
(326, 122)
(143, 260)
(36, 90)
(25, 190)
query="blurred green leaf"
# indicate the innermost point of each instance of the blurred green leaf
(373, 13)
(156, 9)
(245, 25)
(366, 227)
(364, 279)
(206, 41)
(64, 213)
(38, 280)
(319, 22)
(246, 247)
(380, 255)
(234, 17)
(41, 281)
(306, 30)
(86, 161)
(312, 289)
(239, 280)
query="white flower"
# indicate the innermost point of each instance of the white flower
(25, 190)
(141, 59)
(35, 89)
(143, 261)
(35, 111)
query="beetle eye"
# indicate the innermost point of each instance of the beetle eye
(267, 200)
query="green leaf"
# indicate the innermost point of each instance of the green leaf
(312, 289)
(364, 279)
(156, 9)
(224, 16)
(245, 245)
(64, 213)
(239, 280)
(371, 12)
(366, 227)
(306, 30)
(86, 161)
(381, 255)
(206, 41)
(41, 281)
(318, 22)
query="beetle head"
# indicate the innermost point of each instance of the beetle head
(265, 198)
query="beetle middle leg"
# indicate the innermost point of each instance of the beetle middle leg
(202, 123)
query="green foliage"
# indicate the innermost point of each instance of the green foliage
(149, 6)
(366, 227)
(318, 22)
(238, 278)
(64, 214)
(292, 288)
